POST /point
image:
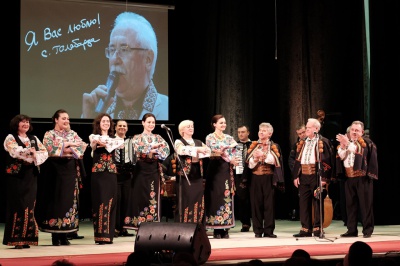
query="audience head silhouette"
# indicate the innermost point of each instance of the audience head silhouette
(301, 253)
(360, 254)
(62, 262)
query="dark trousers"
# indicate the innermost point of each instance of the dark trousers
(359, 197)
(242, 201)
(262, 204)
(307, 201)
(123, 192)
(293, 193)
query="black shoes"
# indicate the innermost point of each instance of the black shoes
(367, 235)
(245, 228)
(60, 242)
(65, 242)
(265, 235)
(303, 234)
(217, 236)
(125, 233)
(21, 246)
(104, 242)
(74, 236)
(317, 232)
(223, 234)
(347, 234)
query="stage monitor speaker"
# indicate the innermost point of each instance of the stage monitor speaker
(191, 238)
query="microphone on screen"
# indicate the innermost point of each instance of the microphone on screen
(111, 84)
(165, 127)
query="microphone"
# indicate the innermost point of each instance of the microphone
(315, 133)
(33, 144)
(111, 84)
(165, 127)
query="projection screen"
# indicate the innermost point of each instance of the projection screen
(62, 51)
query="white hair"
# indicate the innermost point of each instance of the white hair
(145, 35)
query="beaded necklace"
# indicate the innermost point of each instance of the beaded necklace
(219, 137)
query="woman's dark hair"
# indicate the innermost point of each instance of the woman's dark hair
(96, 124)
(215, 119)
(57, 115)
(14, 123)
(147, 115)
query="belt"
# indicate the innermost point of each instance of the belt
(350, 173)
(215, 157)
(263, 169)
(125, 167)
(148, 160)
(61, 157)
(308, 169)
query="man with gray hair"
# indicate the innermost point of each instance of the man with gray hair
(132, 55)
(314, 161)
(265, 161)
(357, 160)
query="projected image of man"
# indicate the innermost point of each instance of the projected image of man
(132, 54)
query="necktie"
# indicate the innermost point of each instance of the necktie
(120, 155)
(244, 152)
(117, 155)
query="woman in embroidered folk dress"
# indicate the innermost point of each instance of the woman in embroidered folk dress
(220, 179)
(190, 197)
(58, 188)
(104, 184)
(151, 150)
(25, 154)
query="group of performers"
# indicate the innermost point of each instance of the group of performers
(123, 197)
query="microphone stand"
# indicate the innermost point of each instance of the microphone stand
(171, 138)
(321, 234)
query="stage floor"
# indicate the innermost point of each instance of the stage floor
(241, 246)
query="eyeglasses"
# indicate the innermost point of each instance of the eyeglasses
(123, 51)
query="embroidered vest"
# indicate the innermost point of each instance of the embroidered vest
(14, 165)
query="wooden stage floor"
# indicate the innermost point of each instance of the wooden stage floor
(240, 247)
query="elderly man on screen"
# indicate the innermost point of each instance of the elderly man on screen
(132, 54)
